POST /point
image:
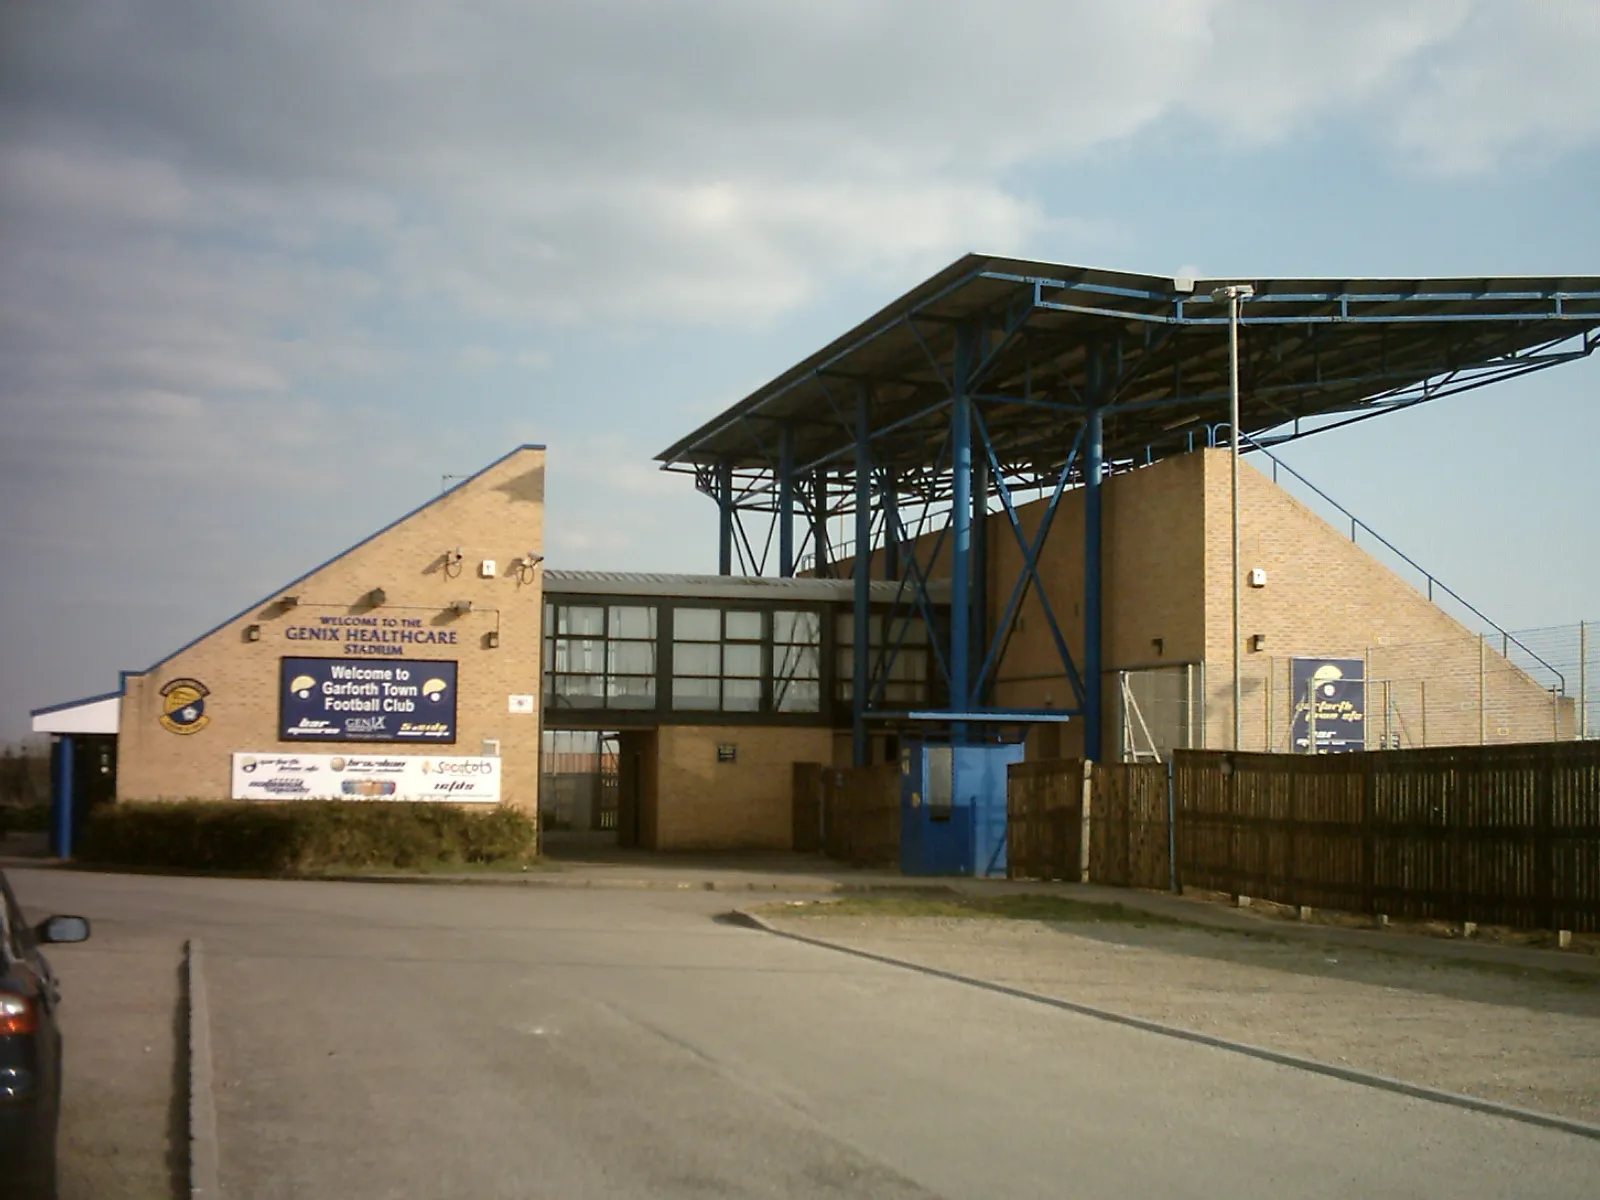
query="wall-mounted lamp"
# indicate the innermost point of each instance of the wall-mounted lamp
(376, 597)
(1158, 645)
(288, 601)
(452, 562)
(491, 640)
(1258, 641)
(252, 633)
(461, 606)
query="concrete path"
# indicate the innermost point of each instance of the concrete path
(121, 1016)
(385, 1041)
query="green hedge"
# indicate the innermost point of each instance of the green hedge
(301, 836)
(30, 817)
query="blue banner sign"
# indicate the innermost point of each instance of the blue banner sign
(1330, 705)
(335, 700)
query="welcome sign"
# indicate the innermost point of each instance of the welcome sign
(335, 700)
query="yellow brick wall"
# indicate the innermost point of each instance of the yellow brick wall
(1166, 571)
(499, 515)
(703, 804)
(1325, 596)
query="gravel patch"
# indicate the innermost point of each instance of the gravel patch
(1522, 1037)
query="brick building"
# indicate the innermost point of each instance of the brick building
(429, 659)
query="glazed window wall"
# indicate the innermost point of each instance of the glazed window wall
(600, 656)
(908, 672)
(717, 659)
(797, 662)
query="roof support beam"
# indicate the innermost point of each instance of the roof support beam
(786, 502)
(860, 749)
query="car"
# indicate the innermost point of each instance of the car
(30, 1048)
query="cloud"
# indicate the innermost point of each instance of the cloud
(222, 227)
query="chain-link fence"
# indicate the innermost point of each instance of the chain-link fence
(1537, 685)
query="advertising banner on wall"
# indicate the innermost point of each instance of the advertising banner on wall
(1330, 701)
(336, 700)
(364, 777)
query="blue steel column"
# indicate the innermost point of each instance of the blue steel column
(860, 749)
(61, 808)
(725, 528)
(980, 567)
(821, 562)
(891, 524)
(961, 534)
(1091, 586)
(786, 502)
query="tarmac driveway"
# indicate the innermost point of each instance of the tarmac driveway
(428, 1041)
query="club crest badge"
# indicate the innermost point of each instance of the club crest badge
(183, 706)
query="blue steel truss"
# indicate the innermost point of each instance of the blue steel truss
(998, 376)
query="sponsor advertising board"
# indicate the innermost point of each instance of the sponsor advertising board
(365, 777)
(1330, 699)
(335, 700)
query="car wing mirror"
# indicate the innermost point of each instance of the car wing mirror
(63, 929)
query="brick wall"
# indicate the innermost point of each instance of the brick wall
(703, 804)
(1326, 596)
(498, 514)
(1166, 571)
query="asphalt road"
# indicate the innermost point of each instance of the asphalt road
(433, 1041)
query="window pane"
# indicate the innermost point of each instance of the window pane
(578, 691)
(940, 782)
(744, 626)
(628, 621)
(799, 696)
(580, 620)
(631, 691)
(909, 664)
(742, 660)
(741, 695)
(631, 658)
(804, 628)
(845, 630)
(697, 625)
(693, 658)
(796, 662)
(695, 693)
(580, 655)
(914, 632)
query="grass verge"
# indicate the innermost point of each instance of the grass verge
(1012, 907)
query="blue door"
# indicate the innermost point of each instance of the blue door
(935, 836)
(953, 808)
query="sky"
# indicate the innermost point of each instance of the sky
(270, 272)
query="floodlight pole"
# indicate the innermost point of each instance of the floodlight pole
(1233, 293)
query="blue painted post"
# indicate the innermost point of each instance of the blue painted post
(1092, 469)
(821, 552)
(891, 524)
(786, 502)
(980, 569)
(961, 534)
(860, 749)
(61, 808)
(725, 505)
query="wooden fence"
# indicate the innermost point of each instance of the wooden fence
(850, 813)
(806, 812)
(1044, 819)
(1506, 835)
(1128, 841)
